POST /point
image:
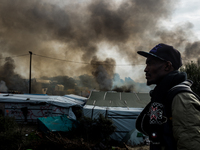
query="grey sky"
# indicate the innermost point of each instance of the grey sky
(188, 11)
(81, 29)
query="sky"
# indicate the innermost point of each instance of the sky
(184, 12)
(93, 31)
(187, 11)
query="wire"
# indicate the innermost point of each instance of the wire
(14, 56)
(60, 59)
(85, 62)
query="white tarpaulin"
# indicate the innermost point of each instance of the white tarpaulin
(121, 108)
(29, 107)
(61, 101)
(77, 97)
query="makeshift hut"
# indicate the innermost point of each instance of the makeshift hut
(29, 107)
(77, 97)
(121, 108)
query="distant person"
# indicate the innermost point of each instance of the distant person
(172, 118)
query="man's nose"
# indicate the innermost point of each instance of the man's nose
(145, 69)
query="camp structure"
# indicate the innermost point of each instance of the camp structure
(56, 123)
(29, 107)
(122, 108)
(77, 97)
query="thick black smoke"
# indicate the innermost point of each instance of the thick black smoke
(192, 50)
(38, 25)
(12, 82)
(74, 31)
(103, 71)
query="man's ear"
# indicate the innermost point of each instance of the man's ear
(169, 66)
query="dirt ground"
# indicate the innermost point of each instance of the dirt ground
(138, 148)
(29, 128)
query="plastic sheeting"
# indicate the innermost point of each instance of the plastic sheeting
(132, 138)
(123, 119)
(61, 101)
(122, 108)
(77, 97)
(30, 107)
(93, 112)
(58, 123)
(118, 99)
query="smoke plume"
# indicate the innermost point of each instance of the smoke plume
(73, 32)
(3, 87)
(192, 50)
(103, 71)
(10, 80)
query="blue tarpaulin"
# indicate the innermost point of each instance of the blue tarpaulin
(57, 123)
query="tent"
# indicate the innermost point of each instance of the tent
(121, 108)
(29, 107)
(56, 123)
(77, 97)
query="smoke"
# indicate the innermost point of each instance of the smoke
(11, 80)
(3, 87)
(128, 85)
(103, 71)
(36, 25)
(74, 31)
(192, 49)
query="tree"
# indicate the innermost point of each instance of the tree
(193, 73)
(87, 81)
(68, 82)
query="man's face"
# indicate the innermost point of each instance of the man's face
(155, 70)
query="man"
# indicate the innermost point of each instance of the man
(172, 118)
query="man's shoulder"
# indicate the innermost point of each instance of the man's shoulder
(186, 96)
(183, 87)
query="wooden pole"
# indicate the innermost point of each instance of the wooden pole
(30, 73)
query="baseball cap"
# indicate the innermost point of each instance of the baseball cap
(166, 53)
